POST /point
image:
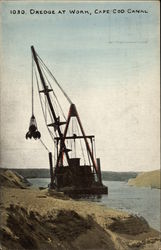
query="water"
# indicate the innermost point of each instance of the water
(141, 201)
(39, 182)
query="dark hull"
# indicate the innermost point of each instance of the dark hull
(77, 179)
(85, 190)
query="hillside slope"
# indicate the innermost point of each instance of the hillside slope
(12, 179)
(147, 179)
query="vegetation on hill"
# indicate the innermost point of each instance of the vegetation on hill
(33, 172)
(147, 179)
(118, 176)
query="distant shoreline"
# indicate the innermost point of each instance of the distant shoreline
(140, 179)
(45, 173)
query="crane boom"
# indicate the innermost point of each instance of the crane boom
(46, 92)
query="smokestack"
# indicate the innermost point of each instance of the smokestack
(99, 170)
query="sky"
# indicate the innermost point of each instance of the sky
(108, 63)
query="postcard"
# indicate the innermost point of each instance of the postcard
(79, 90)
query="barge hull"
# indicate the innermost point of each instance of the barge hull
(85, 191)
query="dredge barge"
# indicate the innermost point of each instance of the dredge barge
(76, 169)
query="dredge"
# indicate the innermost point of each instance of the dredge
(76, 169)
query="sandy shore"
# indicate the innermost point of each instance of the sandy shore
(36, 219)
(32, 219)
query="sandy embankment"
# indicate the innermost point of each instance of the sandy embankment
(34, 219)
(147, 179)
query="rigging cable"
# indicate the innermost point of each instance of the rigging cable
(42, 106)
(67, 97)
(32, 89)
(43, 114)
(45, 68)
(53, 90)
(44, 145)
(94, 147)
(51, 87)
(42, 69)
(81, 145)
(33, 130)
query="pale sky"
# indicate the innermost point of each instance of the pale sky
(107, 63)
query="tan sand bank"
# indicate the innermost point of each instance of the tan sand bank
(147, 179)
(34, 219)
(9, 178)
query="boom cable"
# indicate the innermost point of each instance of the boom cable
(42, 106)
(81, 145)
(58, 103)
(67, 97)
(44, 145)
(32, 89)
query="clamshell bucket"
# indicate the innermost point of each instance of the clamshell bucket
(33, 130)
